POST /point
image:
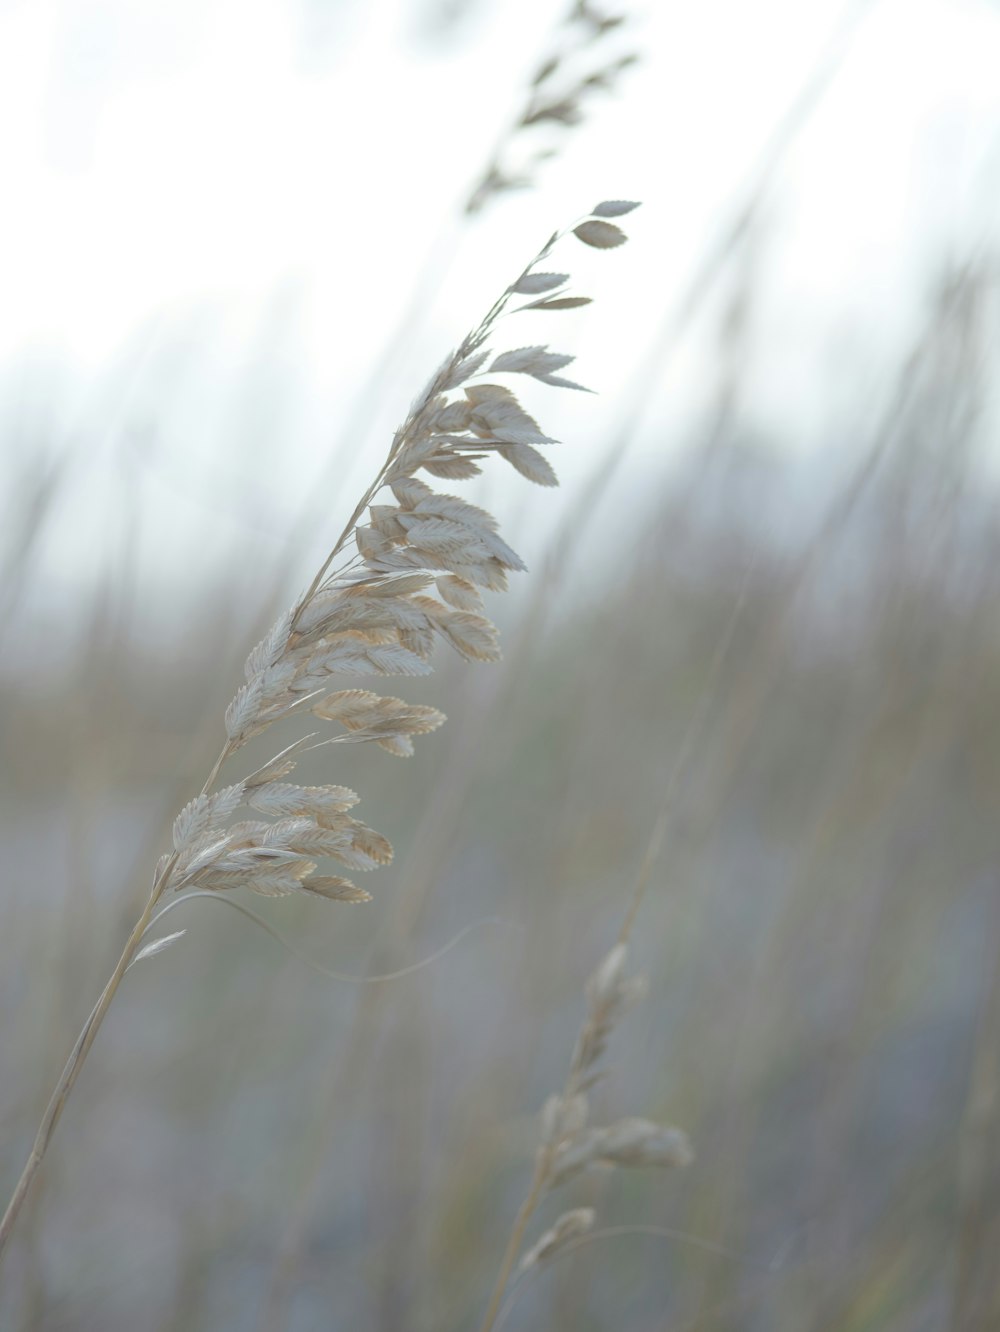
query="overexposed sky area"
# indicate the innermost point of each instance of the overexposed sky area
(216, 213)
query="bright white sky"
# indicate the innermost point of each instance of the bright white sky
(216, 209)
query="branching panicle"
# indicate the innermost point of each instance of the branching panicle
(422, 561)
(569, 1145)
(565, 81)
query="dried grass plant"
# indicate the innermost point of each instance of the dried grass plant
(574, 69)
(416, 575)
(569, 1144)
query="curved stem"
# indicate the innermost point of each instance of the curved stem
(85, 1040)
(514, 1243)
(342, 540)
(73, 1065)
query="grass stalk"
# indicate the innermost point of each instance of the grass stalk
(71, 1070)
(370, 614)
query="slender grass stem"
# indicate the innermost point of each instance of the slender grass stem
(525, 1214)
(86, 1038)
(68, 1077)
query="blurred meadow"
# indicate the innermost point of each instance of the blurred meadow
(754, 662)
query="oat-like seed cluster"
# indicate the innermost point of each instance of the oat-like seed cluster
(569, 1145)
(420, 563)
(416, 575)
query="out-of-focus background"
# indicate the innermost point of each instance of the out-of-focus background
(235, 243)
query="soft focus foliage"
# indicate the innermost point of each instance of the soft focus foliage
(784, 668)
(821, 937)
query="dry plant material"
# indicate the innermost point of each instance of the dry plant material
(570, 1226)
(569, 1145)
(422, 561)
(419, 565)
(560, 89)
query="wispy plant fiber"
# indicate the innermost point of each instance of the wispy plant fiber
(420, 564)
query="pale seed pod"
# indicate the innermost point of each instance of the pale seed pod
(570, 1226)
